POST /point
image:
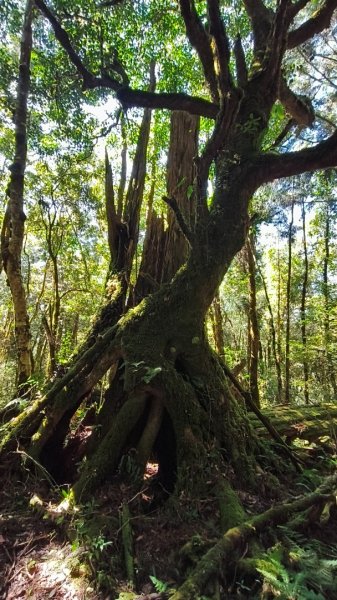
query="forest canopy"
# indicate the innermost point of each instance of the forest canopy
(168, 268)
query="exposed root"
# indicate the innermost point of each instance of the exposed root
(220, 556)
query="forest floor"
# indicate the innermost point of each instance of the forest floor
(36, 560)
(50, 550)
(46, 553)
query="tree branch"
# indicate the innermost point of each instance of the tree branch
(319, 21)
(288, 127)
(127, 96)
(321, 156)
(172, 203)
(221, 49)
(172, 101)
(277, 40)
(62, 36)
(199, 39)
(298, 106)
(297, 7)
(240, 62)
(260, 18)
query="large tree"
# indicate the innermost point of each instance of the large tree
(170, 394)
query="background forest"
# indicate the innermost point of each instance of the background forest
(101, 200)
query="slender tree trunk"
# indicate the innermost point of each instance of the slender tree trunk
(287, 342)
(304, 310)
(326, 294)
(279, 319)
(254, 331)
(122, 181)
(51, 320)
(12, 233)
(273, 339)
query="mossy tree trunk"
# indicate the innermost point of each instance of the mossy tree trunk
(12, 232)
(217, 324)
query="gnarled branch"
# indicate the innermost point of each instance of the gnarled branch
(321, 156)
(319, 21)
(299, 107)
(199, 39)
(126, 95)
(261, 19)
(220, 47)
(172, 203)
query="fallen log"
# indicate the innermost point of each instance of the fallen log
(303, 422)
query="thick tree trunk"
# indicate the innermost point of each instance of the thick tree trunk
(180, 177)
(166, 247)
(12, 233)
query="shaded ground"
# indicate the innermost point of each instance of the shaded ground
(36, 561)
(50, 550)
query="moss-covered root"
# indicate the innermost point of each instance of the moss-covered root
(125, 519)
(235, 539)
(105, 460)
(230, 507)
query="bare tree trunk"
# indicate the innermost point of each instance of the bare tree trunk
(165, 250)
(54, 238)
(135, 190)
(279, 320)
(326, 293)
(287, 344)
(122, 181)
(254, 332)
(303, 309)
(273, 339)
(180, 176)
(12, 232)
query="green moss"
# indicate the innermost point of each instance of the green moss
(231, 510)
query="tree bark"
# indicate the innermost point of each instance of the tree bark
(12, 233)
(165, 247)
(326, 295)
(288, 303)
(303, 309)
(254, 333)
(273, 339)
(217, 324)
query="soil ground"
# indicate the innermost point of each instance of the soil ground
(50, 551)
